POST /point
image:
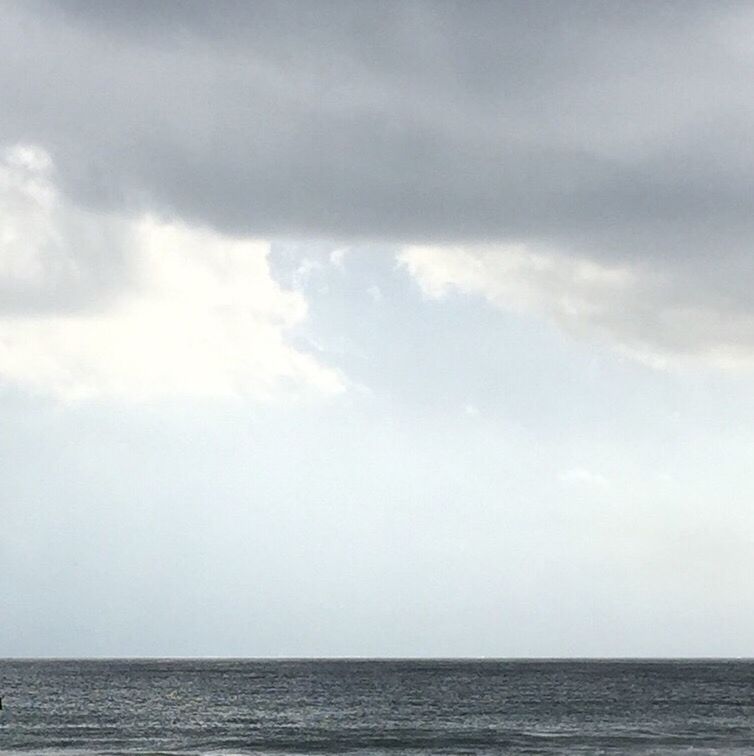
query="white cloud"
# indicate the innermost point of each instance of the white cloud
(29, 247)
(337, 256)
(198, 314)
(640, 312)
(518, 278)
(305, 270)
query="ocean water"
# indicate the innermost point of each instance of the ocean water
(376, 707)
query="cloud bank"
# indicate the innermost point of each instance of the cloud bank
(608, 137)
(630, 307)
(601, 122)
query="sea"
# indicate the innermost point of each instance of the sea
(396, 707)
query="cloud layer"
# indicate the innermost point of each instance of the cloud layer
(196, 313)
(598, 136)
(598, 122)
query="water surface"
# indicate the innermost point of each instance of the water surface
(376, 707)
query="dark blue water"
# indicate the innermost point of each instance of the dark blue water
(376, 707)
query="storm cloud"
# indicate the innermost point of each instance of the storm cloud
(621, 128)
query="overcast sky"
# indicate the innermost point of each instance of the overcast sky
(376, 329)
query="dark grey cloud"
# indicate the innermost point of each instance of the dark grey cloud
(599, 123)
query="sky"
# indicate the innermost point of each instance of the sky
(376, 329)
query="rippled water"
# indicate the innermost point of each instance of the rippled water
(376, 707)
